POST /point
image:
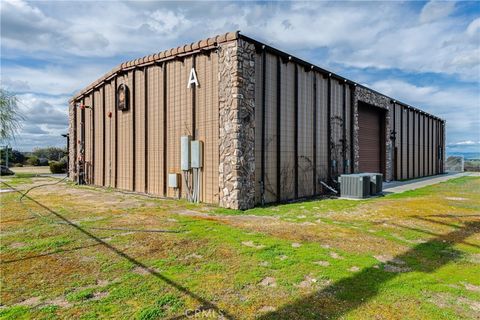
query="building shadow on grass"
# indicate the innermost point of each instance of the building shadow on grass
(204, 304)
(350, 293)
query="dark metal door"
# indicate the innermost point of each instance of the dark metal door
(370, 138)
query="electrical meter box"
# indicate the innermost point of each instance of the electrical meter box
(185, 152)
(197, 153)
(173, 180)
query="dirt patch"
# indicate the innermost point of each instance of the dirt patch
(296, 245)
(354, 269)
(269, 282)
(283, 257)
(16, 245)
(471, 287)
(266, 309)
(322, 263)
(463, 306)
(253, 245)
(395, 269)
(59, 302)
(30, 302)
(473, 305)
(474, 258)
(389, 259)
(335, 255)
(99, 295)
(456, 198)
(308, 282)
(193, 256)
(142, 271)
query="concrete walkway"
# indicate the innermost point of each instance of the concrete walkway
(401, 186)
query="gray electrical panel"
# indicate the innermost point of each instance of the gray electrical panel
(196, 153)
(173, 180)
(355, 186)
(185, 152)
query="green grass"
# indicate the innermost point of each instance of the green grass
(218, 263)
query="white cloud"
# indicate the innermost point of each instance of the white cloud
(465, 143)
(45, 120)
(435, 10)
(75, 43)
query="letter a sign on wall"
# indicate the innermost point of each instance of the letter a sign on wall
(192, 79)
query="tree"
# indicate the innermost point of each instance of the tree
(14, 156)
(10, 116)
(50, 153)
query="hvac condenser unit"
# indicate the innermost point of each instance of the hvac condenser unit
(376, 183)
(355, 186)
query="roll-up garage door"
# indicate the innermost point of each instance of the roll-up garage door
(370, 138)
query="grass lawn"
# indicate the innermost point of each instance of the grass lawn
(31, 170)
(80, 252)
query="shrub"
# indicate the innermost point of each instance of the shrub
(42, 161)
(33, 161)
(50, 153)
(58, 167)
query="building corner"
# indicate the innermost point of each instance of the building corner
(236, 76)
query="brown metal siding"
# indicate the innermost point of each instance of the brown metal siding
(258, 125)
(287, 132)
(305, 134)
(270, 130)
(207, 123)
(98, 125)
(322, 127)
(139, 152)
(348, 126)
(155, 130)
(336, 120)
(109, 135)
(125, 143)
(421, 151)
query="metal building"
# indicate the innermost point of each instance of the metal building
(272, 127)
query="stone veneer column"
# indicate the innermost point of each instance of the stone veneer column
(365, 95)
(236, 76)
(72, 142)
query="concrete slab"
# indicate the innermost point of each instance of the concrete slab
(401, 186)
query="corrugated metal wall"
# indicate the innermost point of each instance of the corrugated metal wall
(128, 148)
(292, 129)
(417, 143)
(297, 119)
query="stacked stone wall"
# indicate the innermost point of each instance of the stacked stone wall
(236, 78)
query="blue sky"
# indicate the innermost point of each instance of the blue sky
(426, 54)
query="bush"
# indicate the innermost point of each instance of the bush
(58, 167)
(14, 156)
(33, 161)
(50, 153)
(42, 161)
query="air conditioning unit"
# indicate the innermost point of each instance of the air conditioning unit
(376, 183)
(356, 186)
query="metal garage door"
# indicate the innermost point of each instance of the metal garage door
(370, 138)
